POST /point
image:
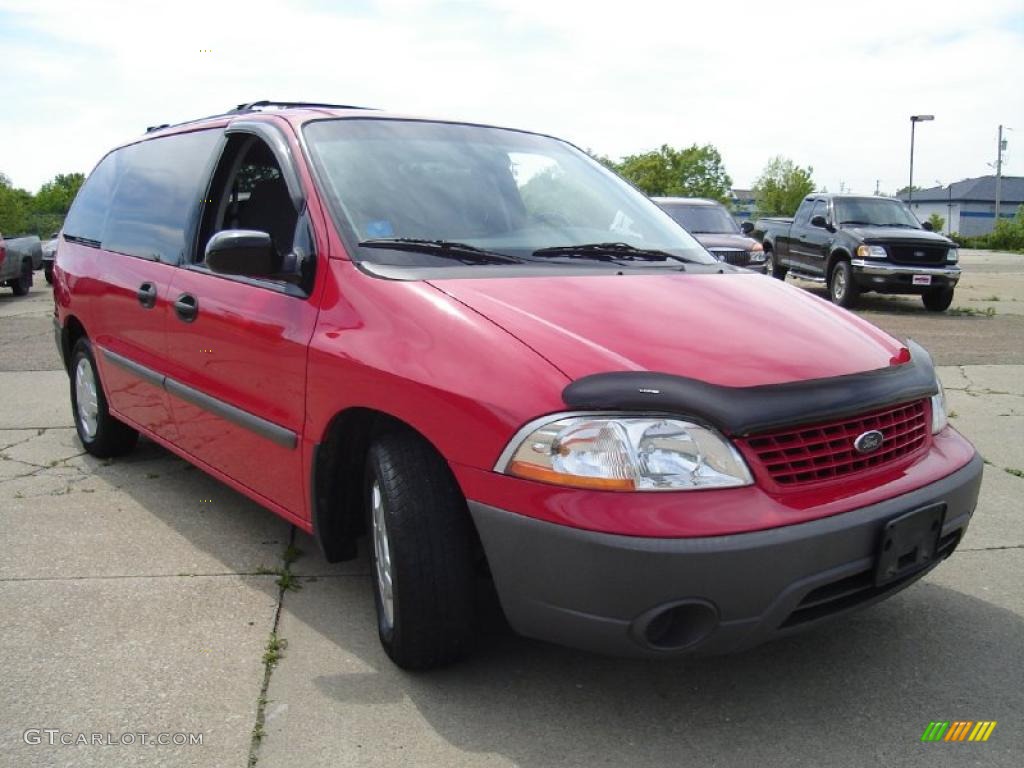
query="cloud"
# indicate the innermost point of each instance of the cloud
(830, 86)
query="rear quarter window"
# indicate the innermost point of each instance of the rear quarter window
(141, 200)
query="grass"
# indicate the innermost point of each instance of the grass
(1014, 472)
(953, 414)
(971, 312)
(274, 651)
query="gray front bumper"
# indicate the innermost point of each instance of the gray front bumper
(604, 592)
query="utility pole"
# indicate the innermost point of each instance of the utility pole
(999, 170)
(877, 182)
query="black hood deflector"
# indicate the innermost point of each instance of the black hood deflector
(747, 410)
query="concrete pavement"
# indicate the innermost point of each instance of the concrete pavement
(140, 596)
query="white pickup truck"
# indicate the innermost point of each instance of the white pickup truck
(19, 258)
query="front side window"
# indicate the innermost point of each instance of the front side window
(874, 211)
(702, 219)
(820, 209)
(157, 195)
(498, 190)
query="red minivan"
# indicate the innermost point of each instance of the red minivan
(498, 360)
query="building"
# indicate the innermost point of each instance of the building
(968, 206)
(742, 203)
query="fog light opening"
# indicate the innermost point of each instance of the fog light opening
(679, 626)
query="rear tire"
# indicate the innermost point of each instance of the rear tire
(101, 434)
(422, 543)
(48, 273)
(937, 299)
(771, 266)
(23, 284)
(841, 288)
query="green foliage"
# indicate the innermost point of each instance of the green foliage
(42, 213)
(781, 187)
(550, 196)
(937, 222)
(696, 171)
(1007, 235)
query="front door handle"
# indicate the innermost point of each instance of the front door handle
(147, 295)
(186, 307)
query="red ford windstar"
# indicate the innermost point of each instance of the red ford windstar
(497, 360)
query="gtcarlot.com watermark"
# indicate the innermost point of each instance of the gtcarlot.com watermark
(55, 737)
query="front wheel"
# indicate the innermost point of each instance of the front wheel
(937, 299)
(101, 434)
(23, 284)
(422, 535)
(841, 287)
(771, 266)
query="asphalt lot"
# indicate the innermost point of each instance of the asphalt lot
(138, 597)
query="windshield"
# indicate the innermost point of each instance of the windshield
(699, 219)
(874, 211)
(497, 190)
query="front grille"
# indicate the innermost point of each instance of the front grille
(934, 255)
(731, 256)
(823, 452)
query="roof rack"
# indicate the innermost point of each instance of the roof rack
(255, 105)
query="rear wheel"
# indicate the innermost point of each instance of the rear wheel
(101, 434)
(422, 539)
(23, 284)
(771, 266)
(937, 299)
(841, 287)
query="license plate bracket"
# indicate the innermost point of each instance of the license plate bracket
(922, 280)
(908, 543)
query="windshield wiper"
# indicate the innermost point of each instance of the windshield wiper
(443, 248)
(863, 223)
(898, 224)
(608, 252)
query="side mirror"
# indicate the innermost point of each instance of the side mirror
(245, 252)
(927, 226)
(747, 227)
(819, 221)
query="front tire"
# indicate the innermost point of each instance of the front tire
(101, 434)
(422, 553)
(23, 284)
(841, 288)
(937, 299)
(771, 266)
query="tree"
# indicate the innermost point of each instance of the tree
(781, 187)
(937, 222)
(57, 195)
(41, 214)
(14, 207)
(696, 171)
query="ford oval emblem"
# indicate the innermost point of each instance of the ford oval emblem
(869, 441)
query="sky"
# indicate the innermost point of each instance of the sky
(829, 85)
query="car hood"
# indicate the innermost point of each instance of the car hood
(726, 329)
(890, 234)
(723, 240)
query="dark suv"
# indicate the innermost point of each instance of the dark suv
(715, 229)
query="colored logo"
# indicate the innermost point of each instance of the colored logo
(869, 441)
(958, 730)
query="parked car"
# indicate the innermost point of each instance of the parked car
(498, 360)
(857, 244)
(49, 250)
(19, 257)
(714, 227)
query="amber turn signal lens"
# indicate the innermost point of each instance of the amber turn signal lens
(544, 475)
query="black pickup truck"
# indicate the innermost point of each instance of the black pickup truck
(856, 244)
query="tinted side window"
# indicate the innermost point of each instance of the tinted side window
(803, 213)
(820, 209)
(88, 214)
(158, 194)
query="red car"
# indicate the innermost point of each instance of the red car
(498, 360)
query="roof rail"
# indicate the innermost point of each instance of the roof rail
(151, 128)
(255, 105)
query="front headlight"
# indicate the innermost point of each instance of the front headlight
(872, 252)
(939, 417)
(953, 255)
(624, 453)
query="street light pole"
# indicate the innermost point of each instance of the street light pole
(999, 170)
(914, 120)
